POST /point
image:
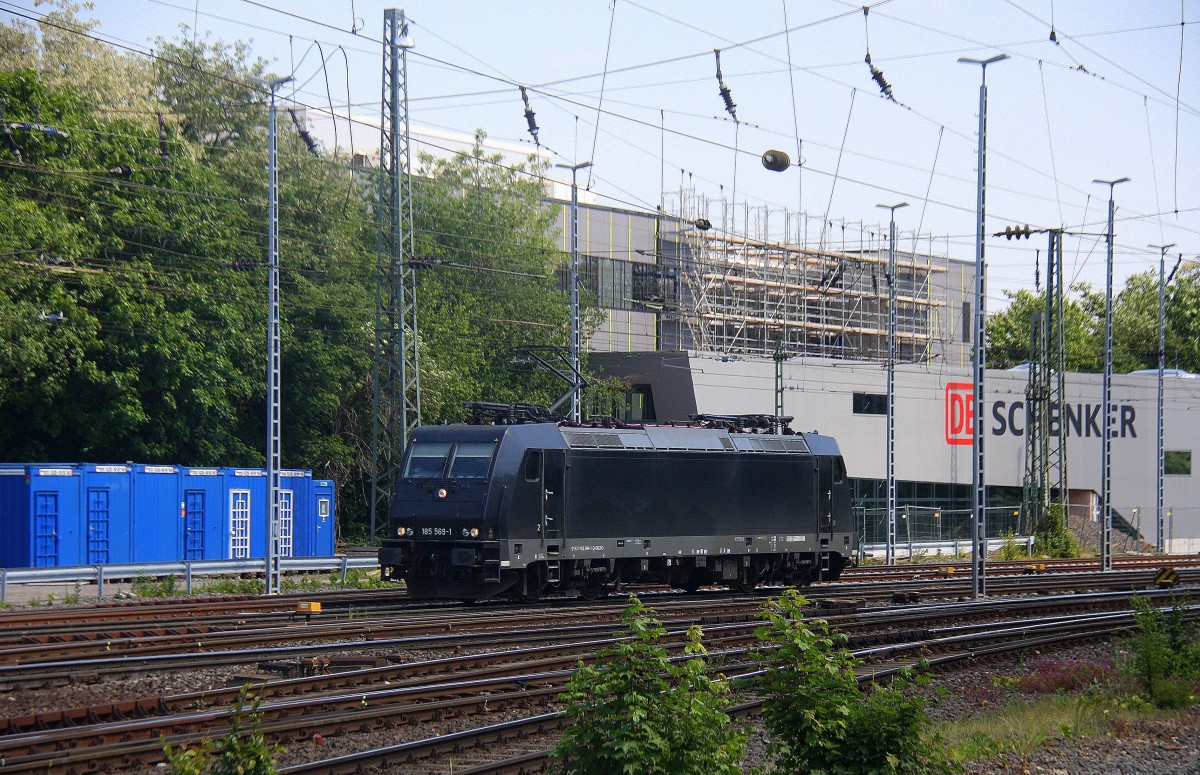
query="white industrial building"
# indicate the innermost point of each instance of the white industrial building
(702, 300)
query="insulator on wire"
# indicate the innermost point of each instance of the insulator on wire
(530, 118)
(730, 107)
(305, 135)
(885, 88)
(776, 161)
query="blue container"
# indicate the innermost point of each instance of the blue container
(106, 514)
(313, 523)
(157, 524)
(96, 514)
(40, 515)
(246, 514)
(205, 509)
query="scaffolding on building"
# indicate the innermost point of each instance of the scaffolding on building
(752, 282)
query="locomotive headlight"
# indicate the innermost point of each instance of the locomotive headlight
(474, 532)
(442, 493)
(401, 531)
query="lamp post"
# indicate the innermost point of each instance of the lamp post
(575, 335)
(1162, 362)
(273, 409)
(1106, 397)
(978, 493)
(891, 384)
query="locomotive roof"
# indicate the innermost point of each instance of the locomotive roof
(649, 437)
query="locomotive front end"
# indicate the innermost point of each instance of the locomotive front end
(441, 534)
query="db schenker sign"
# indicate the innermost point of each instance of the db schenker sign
(1008, 418)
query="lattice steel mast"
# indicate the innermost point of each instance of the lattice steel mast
(1045, 394)
(397, 395)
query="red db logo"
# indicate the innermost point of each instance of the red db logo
(960, 412)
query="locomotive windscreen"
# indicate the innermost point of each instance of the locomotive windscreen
(443, 460)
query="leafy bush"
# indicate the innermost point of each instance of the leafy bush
(1011, 550)
(636, 711)
(820, 719)
(1052, 536)
(155, 586)
(1165, 654)
(243, 750)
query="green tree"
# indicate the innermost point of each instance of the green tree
(637, 711)
(1135, 321)
(1008, 329)
(490, 284)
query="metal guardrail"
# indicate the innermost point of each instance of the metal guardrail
(99, 574)
(958, 548)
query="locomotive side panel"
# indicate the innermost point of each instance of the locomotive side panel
(649, 494)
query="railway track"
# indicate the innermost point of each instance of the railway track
(518, 669)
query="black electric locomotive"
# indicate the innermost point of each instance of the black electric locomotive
(522, 509)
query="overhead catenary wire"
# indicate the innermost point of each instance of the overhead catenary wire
(863, 182)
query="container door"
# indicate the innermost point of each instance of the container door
(553, 494)
(239, 524)
(45, 527)
(287, 513)
(193, 529)
(324, 526)
(98, 518)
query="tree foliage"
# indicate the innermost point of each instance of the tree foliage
(487, 286)
(132, 299)
(1008, 330)
(1135, 325)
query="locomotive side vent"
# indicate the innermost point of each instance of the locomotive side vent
(580, 439)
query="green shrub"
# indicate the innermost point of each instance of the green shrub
(1164, 653)
(820, 719)
(636, 711)
(243, 750)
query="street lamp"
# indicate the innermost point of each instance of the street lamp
(575, 335)
(891, 385)
(979, 358)
(1162, 362)
(1106, 398)
(271, 560)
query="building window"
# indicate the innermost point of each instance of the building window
(1177, 462)
(870, 403)
(966, 321)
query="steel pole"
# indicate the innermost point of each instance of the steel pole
(891, 386)
(1106, 393)
(576, 337)
(271, 561)
(979, 359)
(1162, 362)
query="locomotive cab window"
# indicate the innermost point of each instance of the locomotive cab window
(471, 460)
(426, 460)
(533, 465)
(839, 471)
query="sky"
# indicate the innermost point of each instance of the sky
(631, 86)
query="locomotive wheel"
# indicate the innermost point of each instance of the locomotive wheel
(534, 584)
(743, 586)
(690, 586)
(594, 590)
